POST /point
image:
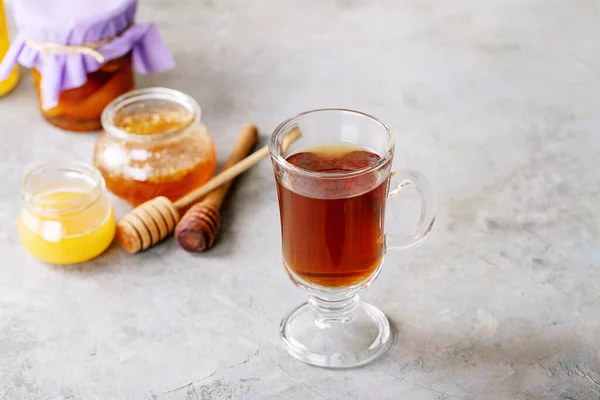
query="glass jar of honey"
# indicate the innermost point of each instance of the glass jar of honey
(65, 218)
(79, 109)
(154, 144)
(6, 84)
(82, 54)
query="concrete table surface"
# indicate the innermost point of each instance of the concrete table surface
(497, 101)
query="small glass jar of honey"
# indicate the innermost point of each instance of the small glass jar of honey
(65, 218)
(154, 144)
(79, 109)
(82, 54)
(8, 83)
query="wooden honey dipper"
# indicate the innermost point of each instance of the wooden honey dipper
(152, 221)
(198, 228)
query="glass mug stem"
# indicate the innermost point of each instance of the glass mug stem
(333, 311)
(415, 179)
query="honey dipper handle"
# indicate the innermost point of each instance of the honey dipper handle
(242, 147)
(234, 166)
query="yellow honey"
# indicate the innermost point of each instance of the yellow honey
(9, 83)
(66, 222)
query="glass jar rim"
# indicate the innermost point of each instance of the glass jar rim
(292, 121)
(77, 170)
(145, 94)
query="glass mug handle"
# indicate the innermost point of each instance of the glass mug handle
(415, 179)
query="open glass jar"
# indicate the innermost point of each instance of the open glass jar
(154, 144)
(65, 218)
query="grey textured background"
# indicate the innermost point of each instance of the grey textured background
(497, 101)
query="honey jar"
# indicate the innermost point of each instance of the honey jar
(65, 218)
(154, 144)
(6, 84)
(82, 54)
(79, 109)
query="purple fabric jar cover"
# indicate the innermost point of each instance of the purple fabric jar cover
(80, 22)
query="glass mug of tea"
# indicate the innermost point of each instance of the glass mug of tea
(333, 182)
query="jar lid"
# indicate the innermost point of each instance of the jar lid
(67, 39)
(33, 17)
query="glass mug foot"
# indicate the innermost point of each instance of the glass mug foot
(350, 335)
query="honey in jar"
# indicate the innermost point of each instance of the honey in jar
(154, 144)
(79, 109)
(82, 54)
(6, 84)
(65, 219)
